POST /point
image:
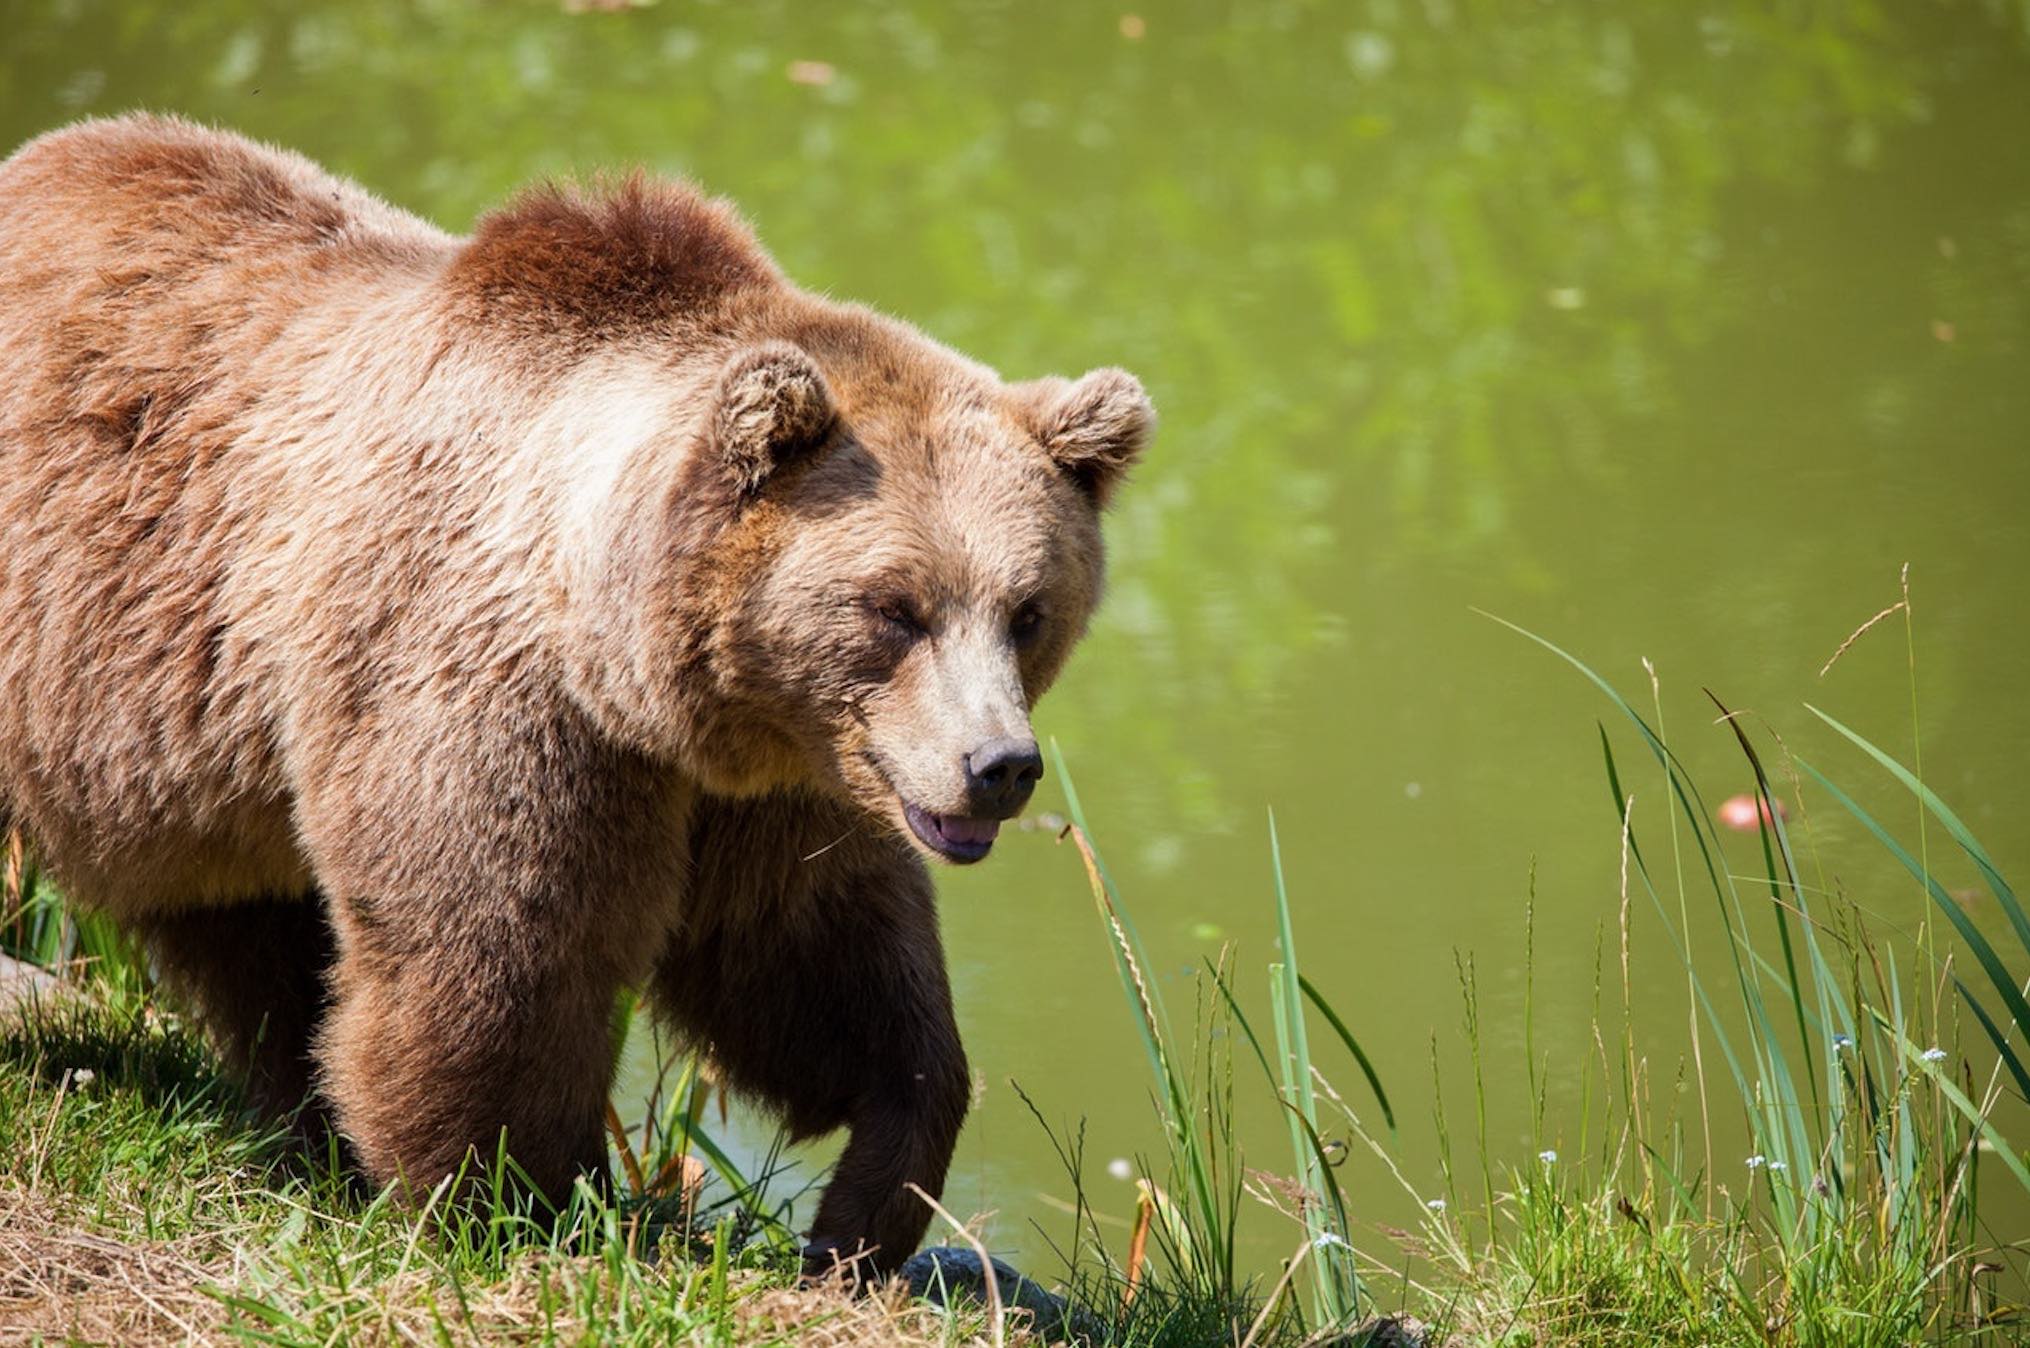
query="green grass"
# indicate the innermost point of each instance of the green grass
(139, 1203)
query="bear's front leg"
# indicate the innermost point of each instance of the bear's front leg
(809, 961)
(903, 1129)
(493, 884)
(429, 1057)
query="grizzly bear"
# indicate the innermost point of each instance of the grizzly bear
(417, 640)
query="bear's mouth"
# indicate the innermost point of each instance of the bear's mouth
(951, 836)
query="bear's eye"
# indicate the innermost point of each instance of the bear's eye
(1026, 623)
(898, 615)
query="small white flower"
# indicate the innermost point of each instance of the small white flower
(82, 1077)
(1757, 1161)
(1777, 1167)
(1436, 1205)
(1842, 1042)
(1328, 1238)
(1934, 1055)
(1548, 1157)
(1120, 1169)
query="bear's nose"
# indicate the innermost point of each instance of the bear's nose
(1000, 774)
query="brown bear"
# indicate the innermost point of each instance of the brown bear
(417, 640)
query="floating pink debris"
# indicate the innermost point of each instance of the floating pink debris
(1744, 814)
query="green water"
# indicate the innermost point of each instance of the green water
(1668, 329)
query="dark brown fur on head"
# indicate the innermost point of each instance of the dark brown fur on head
(637, 254)
(419, 639)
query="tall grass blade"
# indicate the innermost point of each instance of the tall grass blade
(1296, 1056)
(1374, 1081)
(1772, 825)
(1211, 1257)
(1620, 796)
(1776, 1115)
(1997, 1036)
(1998, 974)
(1336, 1303)
(1961, 834)
(1973, 1114)
(1233, 1006)
(1303, 1165)
(1144, 1000)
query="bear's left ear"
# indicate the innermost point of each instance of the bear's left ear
(1093, 428)
(771, 406)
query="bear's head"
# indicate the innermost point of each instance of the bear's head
(885, 556)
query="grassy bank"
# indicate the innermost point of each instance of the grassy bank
(139, 1203)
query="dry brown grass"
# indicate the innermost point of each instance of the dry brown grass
(63, 1280)
(60, 1280)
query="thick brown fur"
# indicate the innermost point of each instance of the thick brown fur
(418, 639)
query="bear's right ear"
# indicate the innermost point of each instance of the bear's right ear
(770, 407)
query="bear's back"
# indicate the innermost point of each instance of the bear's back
(146, 262)
(147, 268)
(161, 183)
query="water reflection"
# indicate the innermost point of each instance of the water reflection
(1671, 328)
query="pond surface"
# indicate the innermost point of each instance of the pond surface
(1668, 330)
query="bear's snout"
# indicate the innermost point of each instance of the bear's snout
(1000, 775)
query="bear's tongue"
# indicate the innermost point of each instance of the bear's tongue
(967, 832)
(956, 837)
